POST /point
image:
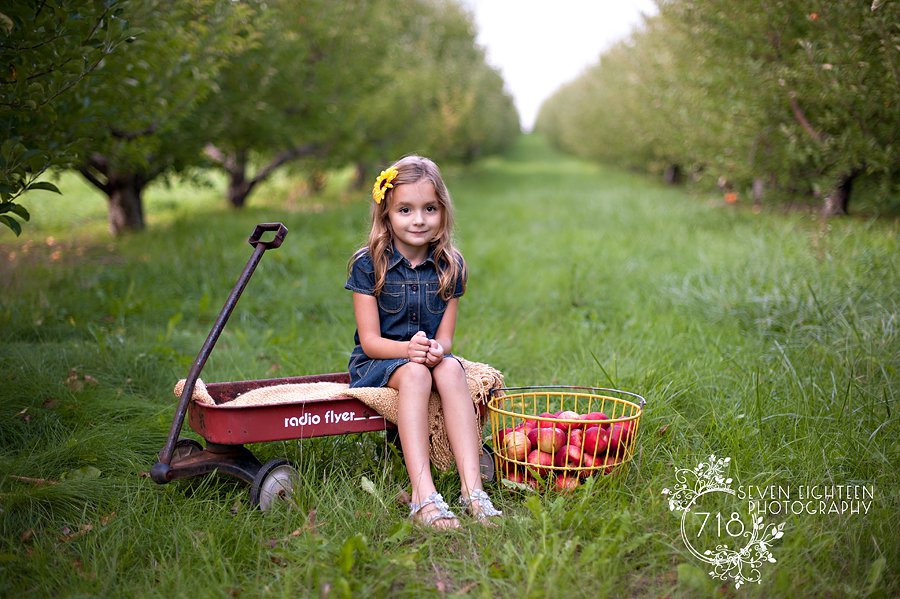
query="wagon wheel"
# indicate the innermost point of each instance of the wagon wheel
(185, 447)
(486, 461)
(274, 481)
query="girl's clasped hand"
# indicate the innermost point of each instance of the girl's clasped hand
(423, 350)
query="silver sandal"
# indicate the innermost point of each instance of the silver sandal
(443, 510)
(485, 508)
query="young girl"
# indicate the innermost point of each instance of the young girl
(406, 285)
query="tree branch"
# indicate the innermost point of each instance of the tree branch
(804, 122)
(224, 160)
(132, 135)
(281, 158)
(96, 164)
(88, 174)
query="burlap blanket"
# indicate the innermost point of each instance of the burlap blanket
(384, 400)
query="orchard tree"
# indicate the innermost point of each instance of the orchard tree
(337, 83)
(819, 83)
(141, 117)
(436, 93)
(297, 94)
(470, 105)
(776, 97)
(48, 50)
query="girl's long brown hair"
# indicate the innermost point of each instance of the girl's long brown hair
(451, 266)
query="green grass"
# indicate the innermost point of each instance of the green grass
(770, 338)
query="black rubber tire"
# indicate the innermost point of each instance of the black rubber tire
(488, 468)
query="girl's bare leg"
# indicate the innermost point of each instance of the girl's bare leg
(459, 419)
(414, 382)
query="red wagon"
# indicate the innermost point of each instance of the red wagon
(227, 428)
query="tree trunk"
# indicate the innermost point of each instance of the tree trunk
(123, 193)
(126, 208)
(836, 202)
(238, 188)
(239, 185)
(759, 190)
(672, 174)
(317, 181)
(361, 175)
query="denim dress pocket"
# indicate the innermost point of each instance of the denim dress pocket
(433, 300)
(392, 298)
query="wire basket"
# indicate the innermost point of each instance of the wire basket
(559, 435)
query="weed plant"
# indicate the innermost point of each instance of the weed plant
(768, 338)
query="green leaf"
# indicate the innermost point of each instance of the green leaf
(875, 574)
(16, 209)
(534, 506)
(368, 486)
(517, 486)
(83, 473)
(44, 185)
(11, 223)
(11, 149)
(353, 544)
(399, 532)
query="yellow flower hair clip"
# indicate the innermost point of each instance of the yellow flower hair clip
(383, 183)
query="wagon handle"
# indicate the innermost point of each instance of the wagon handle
(280, 233)
(161, 471)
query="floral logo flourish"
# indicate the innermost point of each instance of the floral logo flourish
(741, 565)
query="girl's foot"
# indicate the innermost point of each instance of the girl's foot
(434, 511)
(479, 506)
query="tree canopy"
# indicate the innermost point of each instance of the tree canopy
(777, 99)
(247, 86)
(47, 50)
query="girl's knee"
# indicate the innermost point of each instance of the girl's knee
(449, 367)
(413, 374)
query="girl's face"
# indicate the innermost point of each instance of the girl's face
(415, 215)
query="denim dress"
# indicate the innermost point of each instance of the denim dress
(409, 302)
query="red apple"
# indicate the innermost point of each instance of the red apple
(596, 440)
(595, 416)
(550, 439)
(576, 437)
(539, 462)
(608, 464)
(567, 415)
(532, 436)
(516, 445)
(546, 423)
(569, 455)
(589, 462)
(510, 469)
(619, 436)
(566, 482)
(501, 435)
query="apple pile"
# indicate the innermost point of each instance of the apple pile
(568, 442)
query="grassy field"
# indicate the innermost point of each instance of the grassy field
(768, 338)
